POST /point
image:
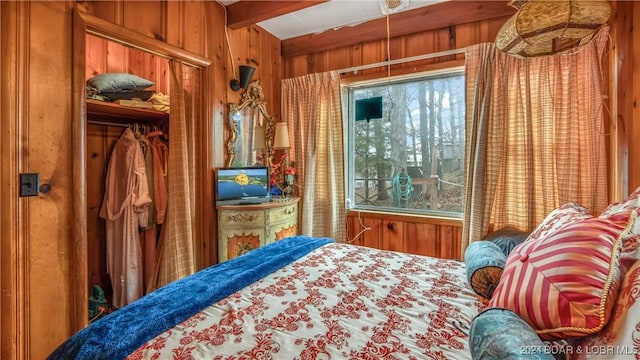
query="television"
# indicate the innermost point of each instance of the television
(368, 109)
(242, 185)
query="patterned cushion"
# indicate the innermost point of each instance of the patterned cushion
(620, 339)
(564, 284)
(491, 336)
(563, 215)
(631, 242)
(484, 262)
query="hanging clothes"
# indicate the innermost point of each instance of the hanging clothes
(125, 208)
(149, 233)
(160, 156)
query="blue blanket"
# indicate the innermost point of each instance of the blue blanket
(118, 334)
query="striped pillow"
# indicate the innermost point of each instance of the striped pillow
(565, 283)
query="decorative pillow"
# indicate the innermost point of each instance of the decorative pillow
(484, 262)
(632, 202)
(565, 283)
(620, 338)
(563, 215)
(116, 82)
(501, 334)
(631, 242)
(507, 238)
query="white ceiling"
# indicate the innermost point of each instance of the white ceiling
(328, 15)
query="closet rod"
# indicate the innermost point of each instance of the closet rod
(403, 60)
(106, 123)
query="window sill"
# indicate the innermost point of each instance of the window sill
(417, 218)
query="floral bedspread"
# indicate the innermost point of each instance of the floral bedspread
(338, 302)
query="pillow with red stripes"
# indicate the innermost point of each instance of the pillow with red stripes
(565, 283)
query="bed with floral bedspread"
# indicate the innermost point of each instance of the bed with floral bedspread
(334, 301)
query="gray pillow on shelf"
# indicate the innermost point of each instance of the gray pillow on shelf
(118, 82)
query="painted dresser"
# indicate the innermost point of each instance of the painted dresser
(242, 228)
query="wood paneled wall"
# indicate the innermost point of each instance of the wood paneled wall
(454, 37)
(623, 74)
(103, 56)
(253, 46)
(416, 235)
(36, 275)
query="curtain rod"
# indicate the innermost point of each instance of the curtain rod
(403, 60)
(106, 123)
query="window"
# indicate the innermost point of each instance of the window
(408, 155)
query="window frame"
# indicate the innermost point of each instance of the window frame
(348, 110)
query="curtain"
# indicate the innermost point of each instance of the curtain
(535, 136)
(176, 250)
(311, 108)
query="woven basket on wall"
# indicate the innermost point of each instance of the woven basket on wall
(544, 27)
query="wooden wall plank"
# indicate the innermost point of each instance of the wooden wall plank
(96, 56)
(393, 238)
(411, 234)
(634, 88)
(194, 38)
(47, 151)
(117, 58)
(146, 17)
(422, 19)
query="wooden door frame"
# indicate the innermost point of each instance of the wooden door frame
(84, 24)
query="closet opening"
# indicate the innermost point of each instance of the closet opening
(100, 128)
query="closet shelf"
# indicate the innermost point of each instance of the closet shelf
(111, 112)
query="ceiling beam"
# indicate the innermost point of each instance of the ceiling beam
(448, 13)
(245, 13)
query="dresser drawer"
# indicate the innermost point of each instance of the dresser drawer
(242, 228)
(242, 218)
(284, 213)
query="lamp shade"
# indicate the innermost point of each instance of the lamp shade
(281, 138)
(246, 72)
(542, 27)
(258, 137)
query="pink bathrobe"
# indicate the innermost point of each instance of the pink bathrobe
(125, 208)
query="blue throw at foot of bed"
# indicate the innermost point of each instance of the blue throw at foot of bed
(120, 333)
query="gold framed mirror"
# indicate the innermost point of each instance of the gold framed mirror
(251, 130)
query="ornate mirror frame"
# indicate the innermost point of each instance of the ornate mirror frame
(251, 104)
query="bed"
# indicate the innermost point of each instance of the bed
(313, 298)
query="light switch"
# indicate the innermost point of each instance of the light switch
(29, 184)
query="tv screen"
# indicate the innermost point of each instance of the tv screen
(239, 186)
(368, 109)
